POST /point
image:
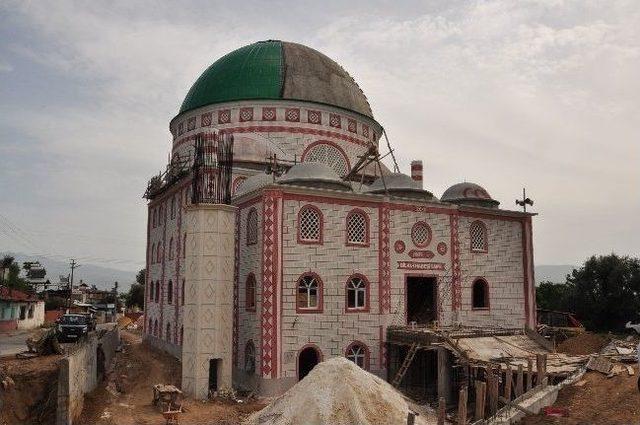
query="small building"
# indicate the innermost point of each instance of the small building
(19, 310)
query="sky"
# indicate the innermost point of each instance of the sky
(508, 94)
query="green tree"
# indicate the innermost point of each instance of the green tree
(135, 296)
(11, 277)
(605, 292)
(554, 296)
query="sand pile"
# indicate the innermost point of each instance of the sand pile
(337, 392)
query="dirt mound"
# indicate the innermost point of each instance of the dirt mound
(337, 392)
(584, 343)
(597, 400)
(33, 397)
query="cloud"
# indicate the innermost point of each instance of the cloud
(540, 94)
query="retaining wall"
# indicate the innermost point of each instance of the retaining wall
(79, 372)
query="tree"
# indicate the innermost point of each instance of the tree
(135, 296)
(11, 274)
(553, 296)
(605, 292)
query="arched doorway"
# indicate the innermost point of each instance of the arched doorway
(307, 360)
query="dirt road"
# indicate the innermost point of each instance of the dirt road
(125, 398)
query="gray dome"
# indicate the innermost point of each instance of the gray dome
(314, 174)
(469, 194)
(398, 184)
(254, 182)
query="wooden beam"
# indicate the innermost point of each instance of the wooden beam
(529, 373)
(462, 406)
(508, 377)
(442, 407)
(519, 381)
(481, 393)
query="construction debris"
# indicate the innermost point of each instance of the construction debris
(600, 364)
(46, 342)
(338, 392)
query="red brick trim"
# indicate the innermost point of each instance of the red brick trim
(384, 259)
(367, 292)
(320, 307)
(456, 284)
(236, 289)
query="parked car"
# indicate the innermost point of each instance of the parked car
(72, 327)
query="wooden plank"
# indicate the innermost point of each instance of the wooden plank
(529, 374)
(481, 394)
(442, 406)
(519, 381)
(539, 369)
(492, 389)
(462, 406)
(508, 377)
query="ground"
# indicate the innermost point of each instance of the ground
(13, 342)
(33, 398)
(125, 397)
(595, 399)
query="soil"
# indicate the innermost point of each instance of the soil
(125, 398)
(585, 343)
(33, 398)
(599, 400)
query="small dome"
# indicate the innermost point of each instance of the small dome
(254, 182)
(314, 174)
(398, 184)
(469, 194)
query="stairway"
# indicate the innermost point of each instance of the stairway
(405, 365)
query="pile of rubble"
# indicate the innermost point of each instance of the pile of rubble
(615, 358)
(338, 392)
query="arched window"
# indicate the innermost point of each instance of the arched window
(171, 249)
(167, 334)
(170, 292)
(155, 327)
(309, 225)
(358, 353)
(187, 195)
(329, 154)
(250, 293)
(250, 357)
(181, 334)
(157, 299)
(182, 292)
(150, 328)
(154, 220)
(160, 217)
(357, 293)
(151, 291)
(478, 236)
(309, 293)
(158, 253)
(153, 253)
(357, 228)
(252, 227)
(173, 208)
(184, 245)
(480, 294)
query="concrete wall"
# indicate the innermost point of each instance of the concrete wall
(79, 373)
(10, 315)
(37, 318)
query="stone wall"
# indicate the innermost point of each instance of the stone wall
(79, 372)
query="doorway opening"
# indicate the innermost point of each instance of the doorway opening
(307, 360)
(422, 306)
(213, 375)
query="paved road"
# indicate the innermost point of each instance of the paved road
(13, 342)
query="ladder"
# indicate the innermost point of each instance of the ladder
(405, 365)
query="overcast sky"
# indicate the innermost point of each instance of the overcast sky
(543, 94)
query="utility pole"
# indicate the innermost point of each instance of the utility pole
(73, 265)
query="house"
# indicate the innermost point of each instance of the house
(19, 310)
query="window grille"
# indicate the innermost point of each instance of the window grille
(356, 293)
(329, 155)
(309, 224)
(357, 228)
(478, 237)
(308, 292)
(357, 354)
(252, 227)
(170, 292)
(421, 234)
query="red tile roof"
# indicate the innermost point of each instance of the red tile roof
(9, 294)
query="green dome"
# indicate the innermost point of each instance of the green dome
(277, 70)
